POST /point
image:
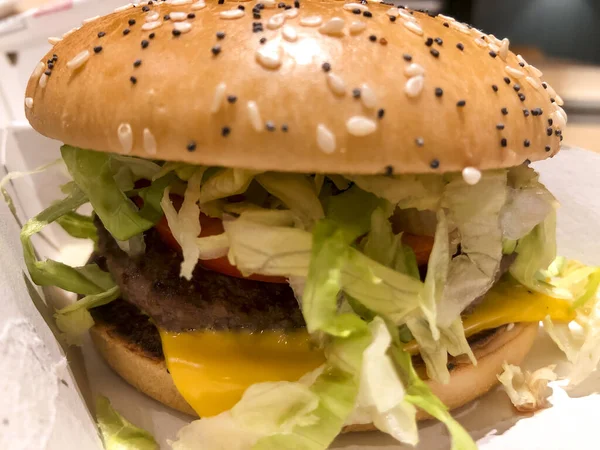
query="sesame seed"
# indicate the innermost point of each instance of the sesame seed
(231, 98)
(548, 148)
(29, 102)
(191, 146)
(145, 43)
(439, 41)
(522, 97)
(325, 139)
(152, 35)
(126, 31)
(284, 128)
(133, 79)
(357, 27)
(446, 24)
(97, 49)
(504, 111)
(414, 28)
(380, 113)
(368, 96)
(526, 143)
(101, 34)
(176, 32)
(471, 175)
(420, 142)
(434, 164)
(522, 64)
(151, 25)
(336, 84)
(131, 22)
(50, 64)
(270, 126)
(221, 2)
(549, 131)
(137, 63)
(517, 87)
(367, 14)
(500, 126)
(434, 52)
(414, 86)
(461, 103)
(356, 93)
(429, 42)
(392, 18)
(526, 112)
(220, 35)
(407, 57)
(326, 67)
(460, 46)
(389, 171)
(538, 111)
(167, 17)
(125, 136)
(439, 92)
(550, 122)
(372, 38)
(79, 60)
(503, 142)
(311, 21)
(360, 126)
(263, 40)
(145, 9)
(225, 131)
(296, 4)
(216, 50)
(493, 54)
(495, 87)
(506, 80)
(191, 16)
(545, 85)
(356, 11)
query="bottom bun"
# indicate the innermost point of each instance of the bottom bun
(148, 372)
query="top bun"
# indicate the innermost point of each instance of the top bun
(308, 86)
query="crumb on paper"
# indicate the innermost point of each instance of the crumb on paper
(528, 391)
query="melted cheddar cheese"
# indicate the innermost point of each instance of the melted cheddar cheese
(212, 370)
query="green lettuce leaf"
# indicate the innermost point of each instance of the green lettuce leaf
(152, 196)
(420, 395)
(117, 432)
(93, 174)
(78, 226)
(268, 250)
(225, 183)
(85, 280)
(74, 320)
(535, 252)
(296, 192)
(406, 191)
(474, 211)
(185, 223)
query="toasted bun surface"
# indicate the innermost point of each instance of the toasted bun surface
(347, 101)
(149, 374)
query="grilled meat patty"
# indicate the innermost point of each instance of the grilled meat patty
(209, 300)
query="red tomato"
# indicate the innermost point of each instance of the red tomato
(421, 245)
(210, 226)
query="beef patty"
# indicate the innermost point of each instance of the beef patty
(209, 300)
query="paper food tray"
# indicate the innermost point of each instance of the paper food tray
(46, 400)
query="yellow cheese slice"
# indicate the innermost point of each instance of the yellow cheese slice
(212, 370)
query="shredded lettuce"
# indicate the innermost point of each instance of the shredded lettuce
(296, 192)
(420, 395)
(475, 213)
(74, 320)
(527, 391)
(268, 250)
(212, 247)
(85, 280)
(225, 183)
(93, 174)
(78, 226)
(117, 432)
(406, 191)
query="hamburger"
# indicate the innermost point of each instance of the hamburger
(309, 217)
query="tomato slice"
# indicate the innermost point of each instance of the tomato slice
(210, 226)
(421, 245)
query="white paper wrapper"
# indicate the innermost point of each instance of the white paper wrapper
(43, 405)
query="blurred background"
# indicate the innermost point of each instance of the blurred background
(560, 37)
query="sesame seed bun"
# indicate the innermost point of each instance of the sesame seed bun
(148, 372)
(322, 87)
